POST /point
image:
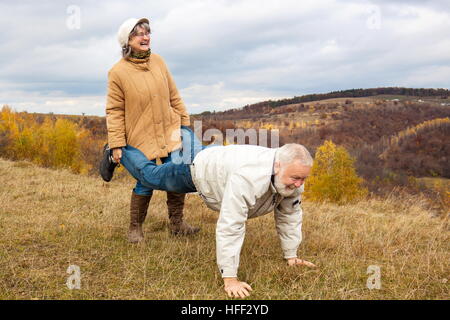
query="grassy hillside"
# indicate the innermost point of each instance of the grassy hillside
(52, 219)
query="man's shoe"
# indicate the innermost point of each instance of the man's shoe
(107, 166)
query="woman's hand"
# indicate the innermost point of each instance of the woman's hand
(117, 154)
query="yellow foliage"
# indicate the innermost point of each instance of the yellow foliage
(434, 123)
(48, 144)
(268, 126)
(333, 177)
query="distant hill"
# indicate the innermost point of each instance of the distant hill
(366, 130)
(265, 106)
(365, 126)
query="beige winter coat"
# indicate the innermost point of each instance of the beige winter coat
(144, 108)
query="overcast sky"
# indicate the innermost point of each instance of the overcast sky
(55, 55)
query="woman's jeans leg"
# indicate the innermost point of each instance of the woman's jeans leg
(167, 177)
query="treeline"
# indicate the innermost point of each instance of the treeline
(265, 106)
(49, 141)
(95, 124)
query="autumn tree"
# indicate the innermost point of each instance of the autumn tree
(333, 176)
(55, 144)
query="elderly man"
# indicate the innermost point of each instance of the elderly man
(240, 181)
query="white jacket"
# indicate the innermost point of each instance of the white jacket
(236, 180)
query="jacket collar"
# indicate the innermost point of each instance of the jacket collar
(138, 61)
(140, 64)
(272, 183)
(272, 187)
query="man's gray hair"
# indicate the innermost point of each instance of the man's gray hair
(294, 152)
(126, 51)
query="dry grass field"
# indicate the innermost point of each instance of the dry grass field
(52, 219)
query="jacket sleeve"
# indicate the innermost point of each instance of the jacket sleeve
(115, 112)
(288, 220)
(230, 230)
(175, 99)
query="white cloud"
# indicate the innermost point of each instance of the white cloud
(55, 102)
(199, 98)
(223, 53)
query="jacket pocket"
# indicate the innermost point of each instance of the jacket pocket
(174, 117)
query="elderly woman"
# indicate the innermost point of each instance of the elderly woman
(144, 110)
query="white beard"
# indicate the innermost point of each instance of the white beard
(282, 189)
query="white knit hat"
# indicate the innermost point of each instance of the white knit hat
(124, 30)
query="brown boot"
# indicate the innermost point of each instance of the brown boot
(175, 205)
(138, 212)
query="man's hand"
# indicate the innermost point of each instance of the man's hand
(300, 262)
(117, 154)
(236, 288)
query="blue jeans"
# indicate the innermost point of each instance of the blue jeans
(173, 175)
(140, 188)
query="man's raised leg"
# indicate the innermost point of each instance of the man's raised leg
(167, 177)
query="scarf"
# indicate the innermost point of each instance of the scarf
(141, 55)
